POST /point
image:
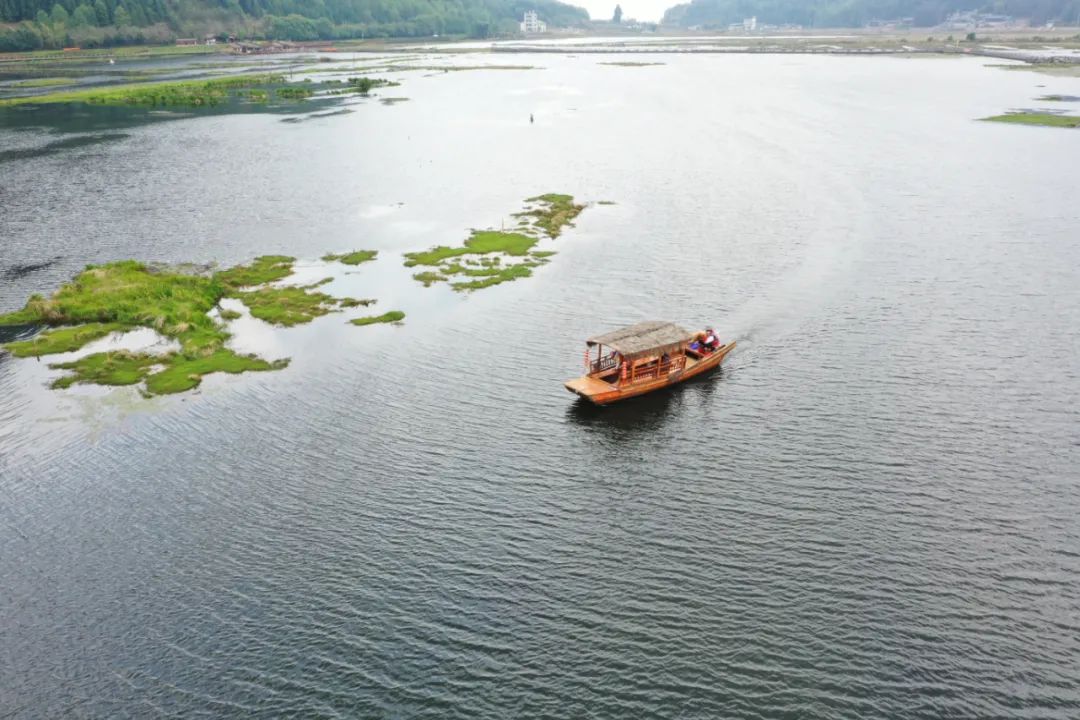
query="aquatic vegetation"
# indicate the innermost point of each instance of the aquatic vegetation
(181, 93)
(109, 368)
(264, 269)
(43, 82)
(393, 316)
(163, 374)
(501, 275)
(552, 212)
(355, 302)
(129, 293)
(605, 202)
(631, 63)
(483, 253)
(1059, 98)
(358, 85)
(353, 258)
(429, 278)
(185, 372)
(479, 243)
(175, 301)
(288, 306)
(1060, 69)
(293, 93)
(393, 100)
(1037, 118)
(64, 339)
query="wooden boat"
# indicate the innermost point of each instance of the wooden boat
(642, 358)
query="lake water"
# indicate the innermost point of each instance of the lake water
(873, 511)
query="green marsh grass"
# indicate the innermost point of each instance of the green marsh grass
(1033, 118)
(181, 93)
(429, 278)
(128, 294)
(481, 242)
(63, 339)
(394, 316)
(287, 306)
(482, 254)
(353, 258)
(262, 270)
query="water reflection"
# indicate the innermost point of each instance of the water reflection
(645, 414)
(57, 146)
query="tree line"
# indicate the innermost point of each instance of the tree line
(35, 24)
(856, 13)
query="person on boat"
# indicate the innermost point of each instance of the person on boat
(711, 342)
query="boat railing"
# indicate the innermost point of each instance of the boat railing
(609, 362)
(655, 370)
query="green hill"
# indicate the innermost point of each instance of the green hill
(856, 13)
(34, 24)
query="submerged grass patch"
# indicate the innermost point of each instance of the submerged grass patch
(482, 254)
(262, 270)
(62, 340)
(393, 316)
(200, 93)
(551, 212)
(1059, 69)
(163, 374)
(353, 258)
(109, 368)
(499, 276)
(357, 85)
(189, 93)
(288, 306)
(429, 278)
(480, 242)
(185, 372)
(1036, 118)
(128, 294)
(43, 82)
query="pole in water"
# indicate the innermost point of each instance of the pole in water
(530, 117)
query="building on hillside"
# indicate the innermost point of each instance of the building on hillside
(532, 24)
(186, 41)
(973, 20)
(210, 40)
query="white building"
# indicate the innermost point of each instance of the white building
(750, 24)
(532, 24)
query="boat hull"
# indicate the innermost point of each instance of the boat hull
(602, 393)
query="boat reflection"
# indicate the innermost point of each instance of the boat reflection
(644, 414)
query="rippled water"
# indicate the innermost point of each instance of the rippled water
(871, 512)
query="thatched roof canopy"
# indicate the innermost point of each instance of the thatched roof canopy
(656, 336)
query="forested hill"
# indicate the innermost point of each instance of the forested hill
(856, 13)
(57, 23)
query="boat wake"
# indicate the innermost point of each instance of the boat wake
(783, 307)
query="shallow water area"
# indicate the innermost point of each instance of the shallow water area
(872, 511)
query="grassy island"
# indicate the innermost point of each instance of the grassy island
(394, 316)
(353, 258)
(492, 257)
(202, 93)
(1036, 118)
(176, 302)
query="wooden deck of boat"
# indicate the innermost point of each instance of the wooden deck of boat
(589, 386)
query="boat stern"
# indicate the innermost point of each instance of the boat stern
(592, 389)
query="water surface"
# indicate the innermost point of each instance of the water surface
(871, 512)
